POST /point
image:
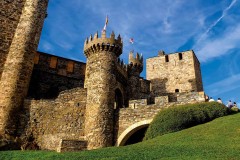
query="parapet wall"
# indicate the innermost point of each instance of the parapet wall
(59, 65)
(52, 75)
(49, 121)
(167, 100)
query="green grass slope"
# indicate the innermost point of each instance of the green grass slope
(218, 139)
(174, 118)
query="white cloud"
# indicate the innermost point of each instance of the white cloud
(47, 47)
(208, 48)
(224, 85)
(221, 45)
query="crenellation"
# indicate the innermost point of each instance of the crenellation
(73, 106)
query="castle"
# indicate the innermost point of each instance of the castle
(56, 103)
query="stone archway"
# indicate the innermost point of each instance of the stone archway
(131, 130)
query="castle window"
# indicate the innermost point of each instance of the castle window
(176, 90)
(70, 66)
(53, 62)
(36, 58)
(180, 56)
(166, 58)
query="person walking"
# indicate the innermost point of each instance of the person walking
(211, 99)
(219, 100)
(235, 104)
(230, 104)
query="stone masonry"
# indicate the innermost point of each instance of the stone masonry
(100, 82)
(47, 122)
(9, 17)
(177, 72)
(19, 63)
(48, 81)
(53, 103)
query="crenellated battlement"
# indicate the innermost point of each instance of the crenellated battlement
(135, 62)
(95, 44)
(122, 64)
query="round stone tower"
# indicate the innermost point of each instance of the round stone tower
(100, 80)
(135, 67)
(18, 66)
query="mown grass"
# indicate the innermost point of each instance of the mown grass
(218, 139)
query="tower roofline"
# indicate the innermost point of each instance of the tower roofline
(94, 44)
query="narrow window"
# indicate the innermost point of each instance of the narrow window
(166, 58)
(180, 56)
(53, 62)
(176, 90)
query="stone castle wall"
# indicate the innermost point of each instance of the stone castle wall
(47, 122)
(18, 66)
(52, 75)
(173, 73)
(167, 100)
(9, 17)
(198, 74)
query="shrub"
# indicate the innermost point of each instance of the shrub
(176, 118)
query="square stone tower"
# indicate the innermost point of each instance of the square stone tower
(176, 72)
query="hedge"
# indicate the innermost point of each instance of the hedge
(176, 118)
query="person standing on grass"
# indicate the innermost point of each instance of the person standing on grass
(230, 104)
(211, 99)
(219, 100)
(207, 98)
(235, 104)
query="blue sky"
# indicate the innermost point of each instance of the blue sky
(210, 27)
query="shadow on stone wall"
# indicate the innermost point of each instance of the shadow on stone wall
(193, 85)
(158, 86)
(44, 85)
(25, 132)
(115, 125)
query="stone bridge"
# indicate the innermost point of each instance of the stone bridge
(132, 120)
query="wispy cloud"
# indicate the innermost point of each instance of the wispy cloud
(224, 13)
(220, 45)
(224, 85)
(47, 47)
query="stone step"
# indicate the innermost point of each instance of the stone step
(67, 145)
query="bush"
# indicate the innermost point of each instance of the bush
(176, 118)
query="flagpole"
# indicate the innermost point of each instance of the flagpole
(105, 25)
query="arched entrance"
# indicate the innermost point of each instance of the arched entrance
(118, 99)
(134, 133)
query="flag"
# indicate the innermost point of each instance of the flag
(131, 40)
(105, 26)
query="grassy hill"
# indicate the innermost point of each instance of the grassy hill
(218, 139)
